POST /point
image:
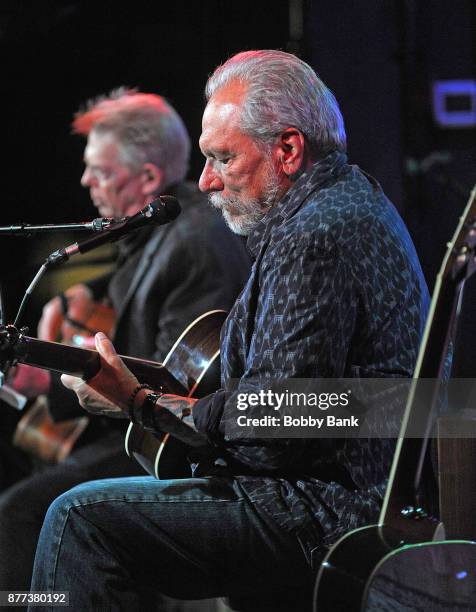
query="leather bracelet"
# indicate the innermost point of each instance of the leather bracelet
(132, 397)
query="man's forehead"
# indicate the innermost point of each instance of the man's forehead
(220, 114)
(101, 145)
(226, 103)
(220, 119)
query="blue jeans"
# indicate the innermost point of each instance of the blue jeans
(115, 544)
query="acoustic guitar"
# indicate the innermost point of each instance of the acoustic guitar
(349, 576)
(190, 369)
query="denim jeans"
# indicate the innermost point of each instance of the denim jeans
(115, 544)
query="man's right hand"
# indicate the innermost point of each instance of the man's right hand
(52, 326)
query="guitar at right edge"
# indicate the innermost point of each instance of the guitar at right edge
(350, 571)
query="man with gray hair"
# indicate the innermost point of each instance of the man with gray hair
(163, 279)
(336, 290)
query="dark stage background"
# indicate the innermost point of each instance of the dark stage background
(380, 57)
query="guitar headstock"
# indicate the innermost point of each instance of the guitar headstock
(9, 338)
(460, 261)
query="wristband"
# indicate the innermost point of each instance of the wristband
(130, 401)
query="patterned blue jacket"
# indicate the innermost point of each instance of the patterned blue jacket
(336, 290)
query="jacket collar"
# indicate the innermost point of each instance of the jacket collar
(323, 171)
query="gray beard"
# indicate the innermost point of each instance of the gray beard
(242, 217)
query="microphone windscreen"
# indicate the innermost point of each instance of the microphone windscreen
(168, 207)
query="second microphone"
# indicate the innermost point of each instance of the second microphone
(159, 212)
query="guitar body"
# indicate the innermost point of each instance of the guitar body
(436, 577)
(98, 317)
(377, 569)
(39, 435)
(350, 562)
(194, 362)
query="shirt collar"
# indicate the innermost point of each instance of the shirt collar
(330, 167)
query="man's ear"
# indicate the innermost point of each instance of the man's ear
(291, 151)
(151, 179)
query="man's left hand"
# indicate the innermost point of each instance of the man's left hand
(108, 391)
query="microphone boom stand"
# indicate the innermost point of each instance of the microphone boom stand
(24, 229)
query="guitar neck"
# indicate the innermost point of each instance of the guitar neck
(85, 363)
(405, 481)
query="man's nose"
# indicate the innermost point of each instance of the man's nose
(209, 179)
(86, 179)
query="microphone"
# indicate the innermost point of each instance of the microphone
(23, 229)
(159, 212)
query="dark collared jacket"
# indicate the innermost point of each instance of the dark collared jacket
(336, 290)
